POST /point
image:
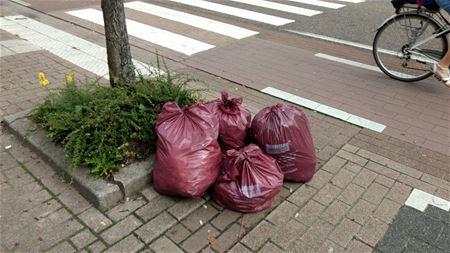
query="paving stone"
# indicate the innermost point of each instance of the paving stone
(299, 247)
(156, 227)
(434, 181)
(399, 192)
(394, 241)
(353, 167)
(342, 178)
(163, 244)
(252, 219)
(365, 178)
(387, 210)
(443, 193)
(129, 244)
(327, 194)
(320, 179)
(200, 239)
(199, 217)
(269, 248)
(302, 195)
(149, 193)
(361, 211)
(62, 247)
(281, 196)
(73, 200)
(282, 213)
(352, 157)
(383, 170)
(53, 234)
(228, 238)
(225, 218)
(256, 238)
(309, 213)
(350, 148)
(316, 234)
(375, 193)
(351, 194)
(125, 208)
(404, 169)
(344, 232)
(372, 232)
(357, 246)
(417, 245)
(292, 186)
(154, 207)
(121, 229)
(83, 239)
(186, 206)
(178, 233)
(421, 185)
(95, 219)
(385, 181)
(335, 212)
(334, 164)
(97, 247)
(286, 234)
(239, 248)
(330, 246)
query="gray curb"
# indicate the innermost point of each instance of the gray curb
(102, 194)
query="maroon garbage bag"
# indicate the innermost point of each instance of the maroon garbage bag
(234, 121)
(249, 180)
(187, 152)
(283, 132)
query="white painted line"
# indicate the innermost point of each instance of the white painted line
(237, 12)
(420, 200)
(353, 1)
(192, 20)
(345, 116)
(148, 33)
(331, 39)
(19, 46)
(280, 7)
(319, 3)
(80, 52)
(21, 2)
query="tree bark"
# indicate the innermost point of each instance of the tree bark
(121, 68)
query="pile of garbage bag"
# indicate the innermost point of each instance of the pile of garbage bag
(217, 146)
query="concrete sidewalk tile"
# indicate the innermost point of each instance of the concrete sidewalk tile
(334, 164)
(357, 246)
(288, 233)
(327, 194)
(421, 185)
(163, 244)
(225, 218)
(97, 247)
(372, 232)
(94, 219)
(156, 227)
(399, 192)
(351, 194)
(270, 248)
(199, 217)
(365, 178)
(352, 157)
(200, 239)
(350, 148)
(373, 157)
(178, 233)
(256, 238)
(149, 193)
(404, 169)
(316, 234)
(63, 247)
(387, 210)
(330, 246)
(385, 181)
(282, 214)
(129, 244)
(309, 213)
(121, 229)
(344, 232)
(73, 200)
(228, 238)
(380, 169)
(239, 248)
(185, 207)
(343, 178)
(154, 207)
(83, 239)
(321, 178)
(302, 195)
(375, 193)
(335, 212)
(353, 167)
(361, 211)
(125, 208)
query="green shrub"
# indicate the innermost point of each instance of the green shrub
(103, 127)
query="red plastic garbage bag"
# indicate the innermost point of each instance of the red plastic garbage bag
(188, 155)
(249, 180)
(283, 132)
(234, 121)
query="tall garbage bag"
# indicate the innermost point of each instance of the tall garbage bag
(282, 131)
(187, 152)
(249, 180)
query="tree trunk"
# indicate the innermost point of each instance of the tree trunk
(121, 68)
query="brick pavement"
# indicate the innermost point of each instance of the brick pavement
(364, 179)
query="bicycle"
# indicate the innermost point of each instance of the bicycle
(407, 44)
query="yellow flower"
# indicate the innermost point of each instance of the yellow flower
(69, 77)
(42, 80)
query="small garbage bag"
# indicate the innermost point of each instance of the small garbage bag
(187, 152)
(249, 180)
(282, 131)
(234, 121)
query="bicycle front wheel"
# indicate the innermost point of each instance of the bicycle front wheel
(395, 50)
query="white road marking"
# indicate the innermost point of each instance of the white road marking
(192, 20)
(280, 7)
(331, 39)
(353, 1)
(21, 2)
(420, 200)
(237, 12)
(320, 3)
(148, 33)
(345, 116)
(80, 52)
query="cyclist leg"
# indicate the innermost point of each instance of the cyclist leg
(441, 69)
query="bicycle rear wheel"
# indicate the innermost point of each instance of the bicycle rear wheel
(392, 47)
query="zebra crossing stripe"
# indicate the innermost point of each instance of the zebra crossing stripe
(237, 12)
(148, 33)
(280, 7)
(80, 52)
(192, 20)
(353, 1)
(320, 3)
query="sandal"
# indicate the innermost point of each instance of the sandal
(445, 80)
